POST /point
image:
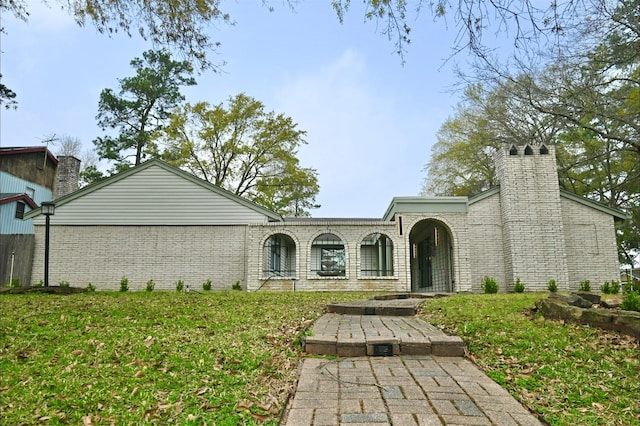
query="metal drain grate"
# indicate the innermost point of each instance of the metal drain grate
(383, 349)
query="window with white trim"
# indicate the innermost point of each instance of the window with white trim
(328, 256)
(279, 256)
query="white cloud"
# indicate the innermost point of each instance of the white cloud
(356, 137)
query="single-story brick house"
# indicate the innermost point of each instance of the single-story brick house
(157, 222)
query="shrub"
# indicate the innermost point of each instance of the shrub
(15, 282)
(552, 286)
(206, 285)
(489, 285)
(585, 285)
(629, 286)
(91, 288)
(631, 302)
(39, 283)
(179, 285)
(64, 284)
(124, 284)
(150, 285)
(615, 287)
(236, 286)
(519, 286)
(610, 287)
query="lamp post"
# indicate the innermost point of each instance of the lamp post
(48, 209)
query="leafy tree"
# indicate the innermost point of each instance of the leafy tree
(245, 150)
(141, 107)
(7, 96)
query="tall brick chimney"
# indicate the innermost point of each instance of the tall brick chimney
(67, 176)
(531, 215)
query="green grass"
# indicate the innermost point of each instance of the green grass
(230, 358)
(146, 358)
(569, 374)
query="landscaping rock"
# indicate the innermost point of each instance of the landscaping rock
(627, 322)
(611, 303)
(579, 301)
(591, 297)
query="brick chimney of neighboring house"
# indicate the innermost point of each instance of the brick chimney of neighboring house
(67, 176)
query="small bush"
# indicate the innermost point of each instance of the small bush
(489, 285)
(206, 285)
(585, 285)
(179, 285)
(15, 283)
(150, 285)
(631, 302)
(519, 286)
(610, 287)
(615, 287)
(39, 283)
(552, 286)
(236, 286)
(629, 287)
(64, 284)
(124, 284)
(91, 288)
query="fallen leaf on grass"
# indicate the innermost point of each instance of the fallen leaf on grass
(87, 421)
(77, 352)
(260, 417)
(245, 405)
(135, 391)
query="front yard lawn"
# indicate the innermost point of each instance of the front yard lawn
(570, 374)
(230, 357)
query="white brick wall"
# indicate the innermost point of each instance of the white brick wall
(486, 243)
(102, 255)
(591, 245)
(303, 234)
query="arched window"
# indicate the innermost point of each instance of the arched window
(328, 256)
(528, 150)
(544, 150)
(279, 256)
(376, 256)
(513, 150)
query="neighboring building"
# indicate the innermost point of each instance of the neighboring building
(26, 179)
(158, 222)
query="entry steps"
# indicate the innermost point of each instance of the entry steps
(379, 328)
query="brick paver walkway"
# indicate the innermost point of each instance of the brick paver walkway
(421, 379)
(402, 390)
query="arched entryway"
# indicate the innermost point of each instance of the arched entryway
(431, 254)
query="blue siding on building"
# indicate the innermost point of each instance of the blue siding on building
(10, 184)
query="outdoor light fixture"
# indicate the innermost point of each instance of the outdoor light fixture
(48, 209)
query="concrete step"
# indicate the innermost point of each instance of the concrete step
(349, 335)
(387, 307)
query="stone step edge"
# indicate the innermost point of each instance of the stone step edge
(372, 310)
(435, 345)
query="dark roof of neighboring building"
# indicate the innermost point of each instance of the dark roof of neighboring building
(8, 198)
(17, 150)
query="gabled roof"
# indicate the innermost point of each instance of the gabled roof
(616, 213)
(272, 216)
(8, 198)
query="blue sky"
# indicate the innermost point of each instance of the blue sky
(370, 121)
